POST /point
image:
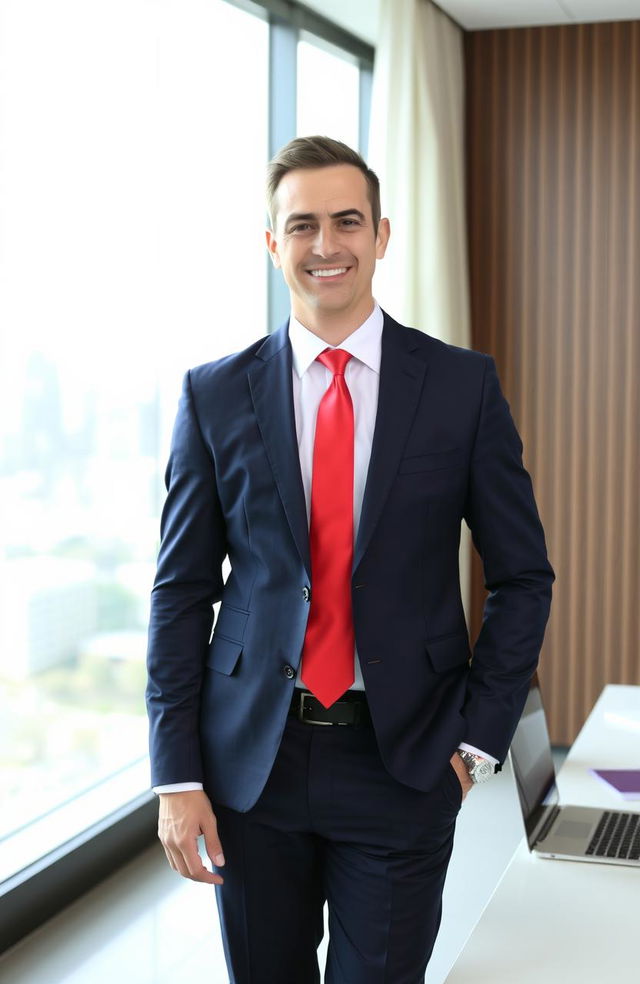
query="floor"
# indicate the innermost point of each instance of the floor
(148, 926)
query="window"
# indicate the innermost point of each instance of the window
(133, 148)
(328, 91)
(133, 140)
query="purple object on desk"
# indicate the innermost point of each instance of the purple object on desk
(625, 782)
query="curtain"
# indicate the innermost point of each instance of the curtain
(416, 146)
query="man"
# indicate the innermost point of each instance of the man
(325, 735)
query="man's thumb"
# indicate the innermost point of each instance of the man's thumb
(213, 845)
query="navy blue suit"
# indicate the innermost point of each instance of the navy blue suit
(444, 449)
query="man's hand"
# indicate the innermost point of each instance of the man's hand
(463, 775)
(183, 817)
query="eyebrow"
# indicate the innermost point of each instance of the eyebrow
(308, 216)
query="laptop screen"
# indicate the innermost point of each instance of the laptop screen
(533, 764)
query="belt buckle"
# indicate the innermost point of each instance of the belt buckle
(300, 714)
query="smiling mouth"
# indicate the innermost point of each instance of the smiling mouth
(326, 273)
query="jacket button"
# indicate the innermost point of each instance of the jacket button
(306, 593)
(288, 671)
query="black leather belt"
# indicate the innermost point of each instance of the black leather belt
(351, 710)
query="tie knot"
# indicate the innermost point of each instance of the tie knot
(335, 360)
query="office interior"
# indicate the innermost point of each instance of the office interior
(507, 137)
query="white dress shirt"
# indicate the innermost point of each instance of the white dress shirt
(310, 381)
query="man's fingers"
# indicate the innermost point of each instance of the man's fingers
(174, 857)
(212, 843)
(170, 857)
(182, 818)
(194, 868)
(185, 859)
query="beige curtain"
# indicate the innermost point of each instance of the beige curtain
(416, 146)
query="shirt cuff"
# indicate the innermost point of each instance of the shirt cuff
(178, 787)
(476, 751)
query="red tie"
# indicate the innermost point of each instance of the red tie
(329, 644)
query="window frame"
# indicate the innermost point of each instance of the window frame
(39, 891)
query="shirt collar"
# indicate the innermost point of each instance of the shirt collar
(365, 343)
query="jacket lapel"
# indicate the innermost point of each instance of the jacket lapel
(272, 395)
(401, 379)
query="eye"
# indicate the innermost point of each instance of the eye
(301, 227)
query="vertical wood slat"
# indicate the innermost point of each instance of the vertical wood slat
(553, 162)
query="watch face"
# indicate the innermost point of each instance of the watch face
(479, 769)
(482, 771)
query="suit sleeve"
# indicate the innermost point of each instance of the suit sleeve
(188, 582)
(502, 515)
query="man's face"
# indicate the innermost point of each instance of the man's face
(325, 244)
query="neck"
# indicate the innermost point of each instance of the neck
(333, 331)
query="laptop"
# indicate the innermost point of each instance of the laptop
(572, 833)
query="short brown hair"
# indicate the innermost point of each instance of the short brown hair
(314, 152)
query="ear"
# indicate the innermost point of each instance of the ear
(272, 247)
(382, 238)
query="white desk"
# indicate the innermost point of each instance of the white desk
(565, 922)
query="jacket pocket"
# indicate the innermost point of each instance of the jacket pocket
(431, 462)
(223, 655)
(448, 653)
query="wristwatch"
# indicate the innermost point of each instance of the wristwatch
(479, 769)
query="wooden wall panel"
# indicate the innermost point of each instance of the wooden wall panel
(553, 155)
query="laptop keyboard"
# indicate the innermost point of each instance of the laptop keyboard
(616, 836)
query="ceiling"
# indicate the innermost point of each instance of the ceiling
(361, 16)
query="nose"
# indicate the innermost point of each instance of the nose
(326, 241)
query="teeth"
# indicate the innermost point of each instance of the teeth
(328, 273)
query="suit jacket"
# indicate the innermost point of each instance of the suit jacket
(444, 449)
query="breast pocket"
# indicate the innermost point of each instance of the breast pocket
(434, 461)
